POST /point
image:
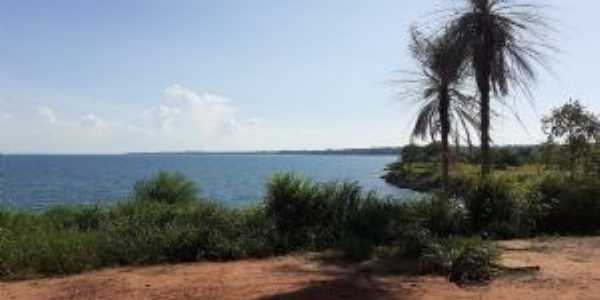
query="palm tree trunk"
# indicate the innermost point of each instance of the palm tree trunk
(445, 124)
(486, 159)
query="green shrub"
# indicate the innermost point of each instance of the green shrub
(165, 223)
(257, 232)
(441, 216)
(75, 217)
(292, 203)
(308, 215)
(476, 263)
(219, 231)
(313, 216)
(373, 219)
(137, 233)
(465, 260)
(32, 247)
(415, 241)
(166, 187)
(567, 206)
(152, 232)
(491, 202)
(439, 255)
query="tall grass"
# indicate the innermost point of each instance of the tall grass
(310, 215)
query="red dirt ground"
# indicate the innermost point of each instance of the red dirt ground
(570, 269)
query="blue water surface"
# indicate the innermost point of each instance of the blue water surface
(38, 181)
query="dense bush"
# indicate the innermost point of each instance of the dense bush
(475, 263)
(465, 260)
(310, 215)
(566, 205)
(166, 187)
(34, 244)
(492, 207)
(415, 241)
(300, 211)
(165, 223)
(75, 217)
(438, 214)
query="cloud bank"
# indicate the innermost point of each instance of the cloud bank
(182, 119)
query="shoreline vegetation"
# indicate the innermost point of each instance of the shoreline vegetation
(165, 222)
(418, 167)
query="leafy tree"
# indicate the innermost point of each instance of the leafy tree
(577, 128)
(503, 40)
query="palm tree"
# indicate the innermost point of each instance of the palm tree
(503, 40)
(437, 88)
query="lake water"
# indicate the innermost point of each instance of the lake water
(37, 181)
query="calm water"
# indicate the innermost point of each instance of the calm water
(36, 181)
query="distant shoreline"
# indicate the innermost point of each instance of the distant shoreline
(357, 151)
(374, 151)
(348, 151)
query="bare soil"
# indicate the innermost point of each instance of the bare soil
(569, 269)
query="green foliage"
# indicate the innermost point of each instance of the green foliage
(464, 259)
(426, 176)
(151, 232)
(491, 205)
(576, 127)
(566, 205)
(59, 241)
(415, 241)
(515, 202)
(163, 224)
(31, 244)
(475, 263)
(504, 156)
(75, 217)
(300, 212)
(441, 216)
(443, 256)
(415, 176)
(166, 187)
(301, 215)
(309, 215)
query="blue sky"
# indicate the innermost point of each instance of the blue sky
(118, 76)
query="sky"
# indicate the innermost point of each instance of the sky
(83, 76)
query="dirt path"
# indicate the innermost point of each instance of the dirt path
(570, 269)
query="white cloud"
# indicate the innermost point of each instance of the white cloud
(176, 92)
(180, 119)
(47, 114)
(93, 121)
(163, 116)
(197, 116)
